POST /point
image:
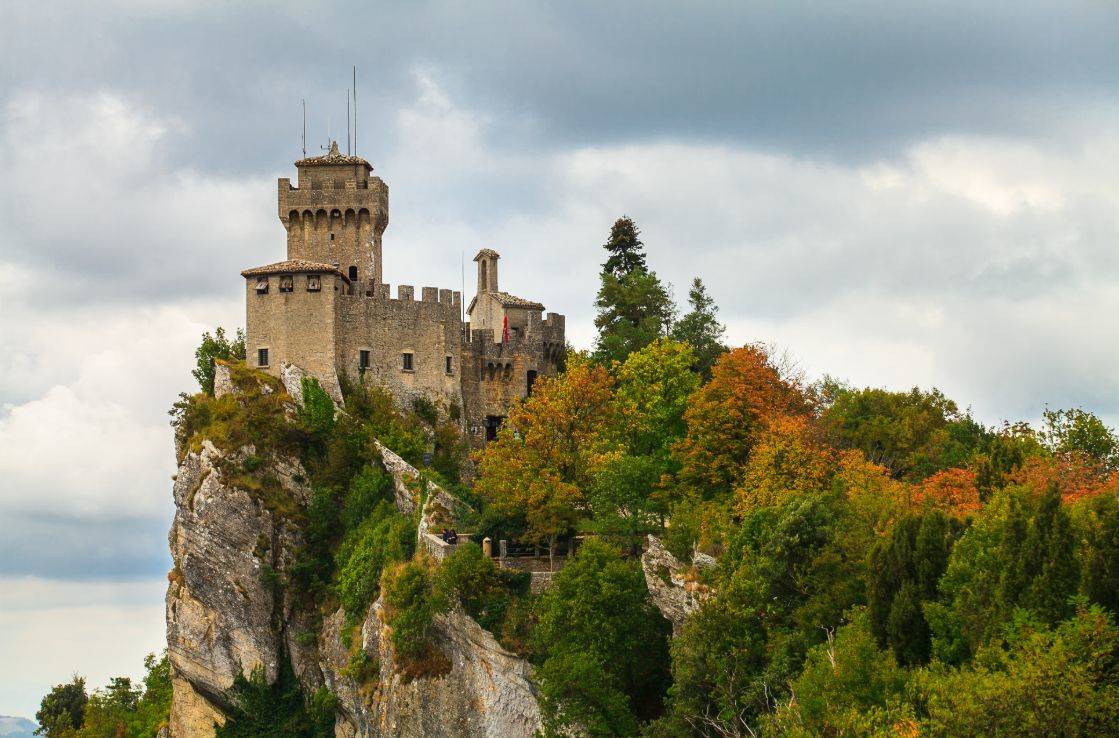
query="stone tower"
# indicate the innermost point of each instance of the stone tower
(336, 215)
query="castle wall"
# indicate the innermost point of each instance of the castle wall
(495, 375)
(429, 328)
(296, 327)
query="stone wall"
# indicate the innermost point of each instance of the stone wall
(429, 328)
(296, 327)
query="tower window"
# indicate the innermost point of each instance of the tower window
(408, 364)
(314, 284)
(262, 286)
(449, 366)
(331, 236)
(353, 274)
(531, 380)
(262, 357)
(286, 284)
(363, 359)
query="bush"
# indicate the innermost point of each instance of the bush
(485, 591)
(212, 348)
(411, 604)
(277, 710)
(384, 537)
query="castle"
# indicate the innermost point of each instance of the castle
(326, 310)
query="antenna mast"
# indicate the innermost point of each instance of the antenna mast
(304, 128)
(355, 110)
(347, 122)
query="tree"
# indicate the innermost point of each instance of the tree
(601, 644)
(411, 604)
(913, 434)
(700, 328)
(543, 463)
(848, 687)
(634, 308)
(62, 709)
(1079, 431)
(627, 252)
(651, 393)
(277, 710)
(1101, 568)
(726, 417)
(216, 346)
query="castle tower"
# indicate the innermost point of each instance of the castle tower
(336, 215)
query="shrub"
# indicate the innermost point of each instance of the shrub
(485, 591)
(383, 538)
(411, 604)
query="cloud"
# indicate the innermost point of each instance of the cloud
(49, 630)
(90, 203)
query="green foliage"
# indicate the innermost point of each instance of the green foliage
(847, 687)
(785, 578)
(913, 434)
(485, 592)
(700, 328)
(213, 347)
(633, 311)
(425, 410)
(411, 604)
(1062, 681)
(627, 253)
(1020, 552)
(904, 571)
(317, 412)
(1079, 431)
(62, 709)
(120, 710)
(1101, 566)
(601, 644)
(277, 710)
(384, 537)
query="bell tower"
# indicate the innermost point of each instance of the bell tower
(336, 214)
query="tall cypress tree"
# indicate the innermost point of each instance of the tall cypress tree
(627, 252)
(634, 308)
(701, 329)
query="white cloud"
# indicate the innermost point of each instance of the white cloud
(51, 630)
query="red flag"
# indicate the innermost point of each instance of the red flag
(505, 330)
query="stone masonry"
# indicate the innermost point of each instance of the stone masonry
(326, 310)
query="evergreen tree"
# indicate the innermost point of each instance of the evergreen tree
(1101, 567)
(627, 252)
(701, 329)
(634, 307)
(906, 628)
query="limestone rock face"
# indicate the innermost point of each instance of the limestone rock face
(220, 600)
(226, 616)
(672, 584)
(487, 692)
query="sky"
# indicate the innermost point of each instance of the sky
(895, 194)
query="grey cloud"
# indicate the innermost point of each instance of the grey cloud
(75, 548)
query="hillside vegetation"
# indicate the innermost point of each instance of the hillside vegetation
(884, 564)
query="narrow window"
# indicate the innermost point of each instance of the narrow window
(353, 274)
(331, 236)
(286, 284)
(262, 286)
(262, 357)
(363, 360)
(407, 356)
(531, 380)
(313, 283)
(449, 369)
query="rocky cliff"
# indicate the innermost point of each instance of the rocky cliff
(227, 615)
(674, 586)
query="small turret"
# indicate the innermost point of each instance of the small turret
(487, 270)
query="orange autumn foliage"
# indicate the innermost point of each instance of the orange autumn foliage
(726, 417)
(548, 450)
(1077, 475)
(952, 491)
